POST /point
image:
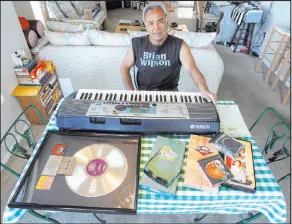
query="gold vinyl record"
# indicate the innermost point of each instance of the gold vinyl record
(99, 169)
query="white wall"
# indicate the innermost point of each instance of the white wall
(23, 9)
(12, 38)
(279, 16)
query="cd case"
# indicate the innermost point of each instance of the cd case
(242, 167)
(216, 170)
(227, 144)
(82, 172)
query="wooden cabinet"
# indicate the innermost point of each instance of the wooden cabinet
(44, 98)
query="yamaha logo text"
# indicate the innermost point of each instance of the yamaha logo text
(200, 126)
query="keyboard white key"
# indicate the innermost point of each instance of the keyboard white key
(140, 96)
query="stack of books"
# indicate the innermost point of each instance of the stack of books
(219, 161)
(22, 73)
(33, 73)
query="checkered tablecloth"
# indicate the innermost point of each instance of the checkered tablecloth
(268, 199)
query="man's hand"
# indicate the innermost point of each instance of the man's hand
(209, 96)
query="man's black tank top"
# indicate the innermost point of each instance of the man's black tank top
(158, 66)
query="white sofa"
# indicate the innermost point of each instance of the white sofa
(98, 67)
(73, 12)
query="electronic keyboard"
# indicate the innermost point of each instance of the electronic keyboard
(138, 112)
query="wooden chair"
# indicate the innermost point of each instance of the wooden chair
(205, 17)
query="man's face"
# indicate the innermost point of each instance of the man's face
(156, 24)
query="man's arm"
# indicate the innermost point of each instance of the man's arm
(127, 64)
(189, 63)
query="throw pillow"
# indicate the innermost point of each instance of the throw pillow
(38, 27)
(31, 38)
(104, 38)
(24, 23)
(69, 39)
(54, 8)
(67, 8)
(195, 39)
(64, 27)
(80, 6)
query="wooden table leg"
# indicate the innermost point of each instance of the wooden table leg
(281, 69)
(286, 96)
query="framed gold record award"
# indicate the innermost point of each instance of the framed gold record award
(82, 172)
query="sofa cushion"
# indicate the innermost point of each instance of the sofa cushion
(104, 38)
(67, 8)
(69, 39)
(54, 8)
(193, 39)
(64, 27)
(80, 6)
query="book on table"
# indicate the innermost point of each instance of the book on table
(164, 167)
(194, 177)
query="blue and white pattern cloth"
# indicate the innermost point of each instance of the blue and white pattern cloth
(268, 199)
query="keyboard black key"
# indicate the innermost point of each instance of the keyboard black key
(150, 97)
(181, 99)
(106, 96)
(121, 97)
(157, 98)
(200, 99)
(126, 96)
(196, 100)
(96, 95)
(111, 96)
(132, 97)
(190, 99)
(175, 98)
(86, 95)
(90, 95)
(82, 95)
(164, 98)
(100, 96)
(186, 99)
(160, 98)
(146, 97)
(171, 98)
(136, 97)
(115, 96)
(140, 97)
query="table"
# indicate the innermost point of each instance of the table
(180, 27)
(268, 199)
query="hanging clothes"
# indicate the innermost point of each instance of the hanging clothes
(239, 11)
